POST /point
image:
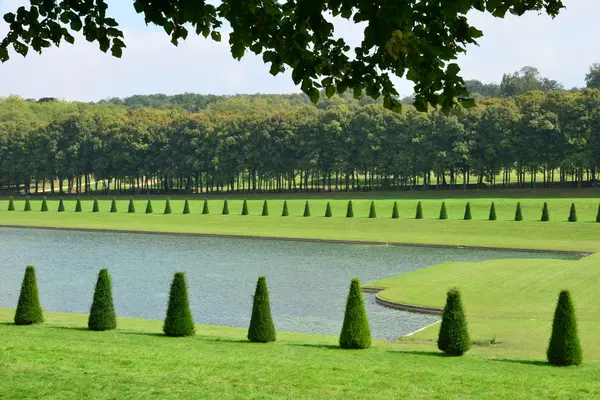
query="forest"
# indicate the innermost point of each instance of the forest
(258, 143)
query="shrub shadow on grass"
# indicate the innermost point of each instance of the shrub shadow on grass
(524, 362)
(70, 328)
(420, 353)
(316, 346)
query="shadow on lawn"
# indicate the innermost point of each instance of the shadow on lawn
(420, 353)
(316, 346)
(524, 362)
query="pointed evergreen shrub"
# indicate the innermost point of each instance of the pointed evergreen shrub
(572, 213)
(467, 211)
(306, 210)
(11, 204)
(419, 213)
(113, 206)
(518, 213)
(27, 204)
(328, 213)
(350, 210)
(186, 207)
(564, 348)
(179, 320)
(95, 206)
(167, 207)
(598, 214)
(245, 208)
(225, 208)
(265, 210)
(545, 213)
(61, 205)
(284, 211)
(102, 314)
(454, 337)
(492, 216)
(78, 205)
(261, 327)
(29, 310)
(395, 213)
(131, 208)
(44, 205)
(149, 209)
(372, 211)
(356, 333)
(205, 207)
(443, 212)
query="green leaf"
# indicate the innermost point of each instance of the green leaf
(3, 54)
(216, 36)
(329, 91)
(76, 23)
(313, 94)
(116, 51)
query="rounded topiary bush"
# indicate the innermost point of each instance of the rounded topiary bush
(95, 206)
(245, 208)
(572, 213)
(467, 212)
(167, 207)
(29, 310)
(395, 213)
(44, 205)
(78, 205)
(205, 207)
(349, 210)
(306, 210)
(443, 212)
(545, 213)
(149, 209)
(419, 213)
(225, 210)
(284, 211)
(102, 314)
(356, 333)
(11, 204)
(328, 213)
(454, 337)
(179, 320)
(261, 327)
(131, 207)
(564, 348)
(518, 213)
(61, 205)
(372, 211)
(113, 206)
(186, 207)
(27, 204)
(492, 216)
(265, 209)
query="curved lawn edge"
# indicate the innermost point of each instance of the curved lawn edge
(299, 239)
(401, 306)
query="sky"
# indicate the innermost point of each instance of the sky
(562, 49)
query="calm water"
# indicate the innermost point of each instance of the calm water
(308, 282)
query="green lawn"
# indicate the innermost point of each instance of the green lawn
(62, 360)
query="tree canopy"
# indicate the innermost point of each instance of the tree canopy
(416, 39)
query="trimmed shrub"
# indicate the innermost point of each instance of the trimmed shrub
(265, 210)
(29, 310)
(95, 206)
(284, 211)
(468, 212)
(44, 205)
(186, 207)
(454, 337)
(598, 214)
(149, 209)
(564, 348)
(545, 213)
(113, 206)
(131, 208)
(328, 213)
(61, 205)
(27, 204)
(11, 204)
(205, 207)
(395, 213)
(443, 212)
(350, 210)
(518, 213)
(178, 321)
(572, 213)
(167, 207)
(245, 208)
(306, 210)
(492, 216)
(102, 314)
(261, 327)
(225, 208)
(356, 333)
(419, 213)
(78, 205)
(372, 212)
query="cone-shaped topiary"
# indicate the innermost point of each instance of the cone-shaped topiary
(443, 212)
(284, 211)
(261, 323)
(102, 314)
(27, 204)
(467, 211)
(454, 336)
(225, 208)
(205, 207)
(95, 206)
(598, 214)
(265, 210)
(545, 213)
(245, 208)
(179, 320)
(78, 205)
(11, 204)
(395, 213)
(564, 348)
(492, 216)
(328, 213)
(372, 211)
(61, 205)
(44, 205)
(306, 210)
(356, 333)
(131, 208)
(167, 207)
(113, 206)
(186, 207)
(419, 213)
(518, 213)
(149, 209)
(349, 210)
(29, 310)
(572, 213)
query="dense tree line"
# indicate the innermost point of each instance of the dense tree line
(271, 143)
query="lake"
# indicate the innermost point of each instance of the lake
(308, 282)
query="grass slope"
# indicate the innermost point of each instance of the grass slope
(61, 360)
(510, 300)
